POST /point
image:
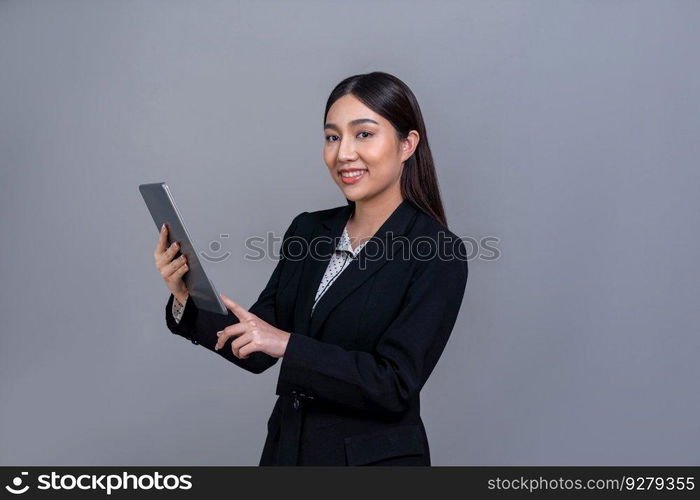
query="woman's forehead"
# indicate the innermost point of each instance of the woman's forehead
(349, 108)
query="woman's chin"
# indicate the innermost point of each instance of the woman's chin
(353, 195)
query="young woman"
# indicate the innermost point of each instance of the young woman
(361, 314)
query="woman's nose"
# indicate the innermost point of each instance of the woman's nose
(346, 151)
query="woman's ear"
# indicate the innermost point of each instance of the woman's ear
(409, 145)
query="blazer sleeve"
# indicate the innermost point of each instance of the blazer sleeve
(200, 326)
(386, 380)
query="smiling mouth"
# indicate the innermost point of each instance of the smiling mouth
(353, 176)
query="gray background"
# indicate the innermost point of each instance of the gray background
(567, 130)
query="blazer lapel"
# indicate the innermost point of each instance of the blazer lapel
(320, 247)
(324, 241)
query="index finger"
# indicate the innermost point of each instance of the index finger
(239, 311)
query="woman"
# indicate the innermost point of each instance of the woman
(362, 301)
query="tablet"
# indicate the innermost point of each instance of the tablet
(160, 203)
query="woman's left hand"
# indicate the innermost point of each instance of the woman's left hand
(254, 334)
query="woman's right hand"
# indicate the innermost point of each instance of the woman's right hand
(171, 270)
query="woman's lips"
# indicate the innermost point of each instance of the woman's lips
(353, 180)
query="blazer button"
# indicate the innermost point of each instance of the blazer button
(194, 341)
(295, 403)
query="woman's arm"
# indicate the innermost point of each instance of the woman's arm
(200, 326)
(385, 381)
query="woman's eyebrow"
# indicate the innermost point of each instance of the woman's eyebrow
(352, 123)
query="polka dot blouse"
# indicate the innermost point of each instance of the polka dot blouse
(341, 258)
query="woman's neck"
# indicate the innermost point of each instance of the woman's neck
(369, 216)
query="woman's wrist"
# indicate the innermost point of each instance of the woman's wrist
(182, 298)
(285, 341)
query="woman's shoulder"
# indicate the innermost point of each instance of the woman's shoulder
(319, 215)
(424, 228)
(427, 230)
(305, 222)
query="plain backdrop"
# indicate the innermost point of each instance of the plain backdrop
(566, 131)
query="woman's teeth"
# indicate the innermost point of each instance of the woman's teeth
(352, 177)
(356, 173)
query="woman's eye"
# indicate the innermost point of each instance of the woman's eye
(328, 137)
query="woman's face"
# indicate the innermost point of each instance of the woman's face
(361, 142)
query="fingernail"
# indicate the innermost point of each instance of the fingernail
(219, 333)
(163, 226)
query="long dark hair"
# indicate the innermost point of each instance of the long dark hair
(391, 98)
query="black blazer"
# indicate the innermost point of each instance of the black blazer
(350, 378)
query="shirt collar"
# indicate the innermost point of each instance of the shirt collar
(344, 244)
